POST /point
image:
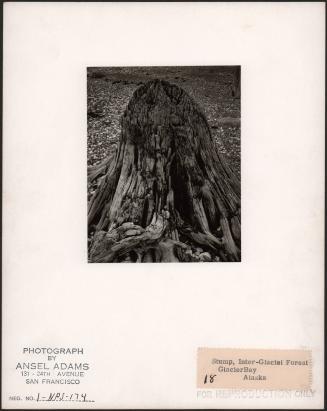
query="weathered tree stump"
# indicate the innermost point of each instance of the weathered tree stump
(167, 194)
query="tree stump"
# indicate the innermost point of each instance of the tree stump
(167, 195)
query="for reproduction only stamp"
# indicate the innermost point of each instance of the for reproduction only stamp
(254, 369)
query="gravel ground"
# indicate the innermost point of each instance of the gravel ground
(110, 89)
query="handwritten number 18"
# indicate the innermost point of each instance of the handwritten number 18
(209, 378)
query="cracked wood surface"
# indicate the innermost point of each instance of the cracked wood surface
(168, 179)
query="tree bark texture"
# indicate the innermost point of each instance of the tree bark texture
(167, 195)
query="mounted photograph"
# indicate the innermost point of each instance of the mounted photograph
(164, 164)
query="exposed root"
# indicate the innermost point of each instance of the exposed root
(117, 242)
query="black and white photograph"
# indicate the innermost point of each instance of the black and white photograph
(163, 164)
(163, 132)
